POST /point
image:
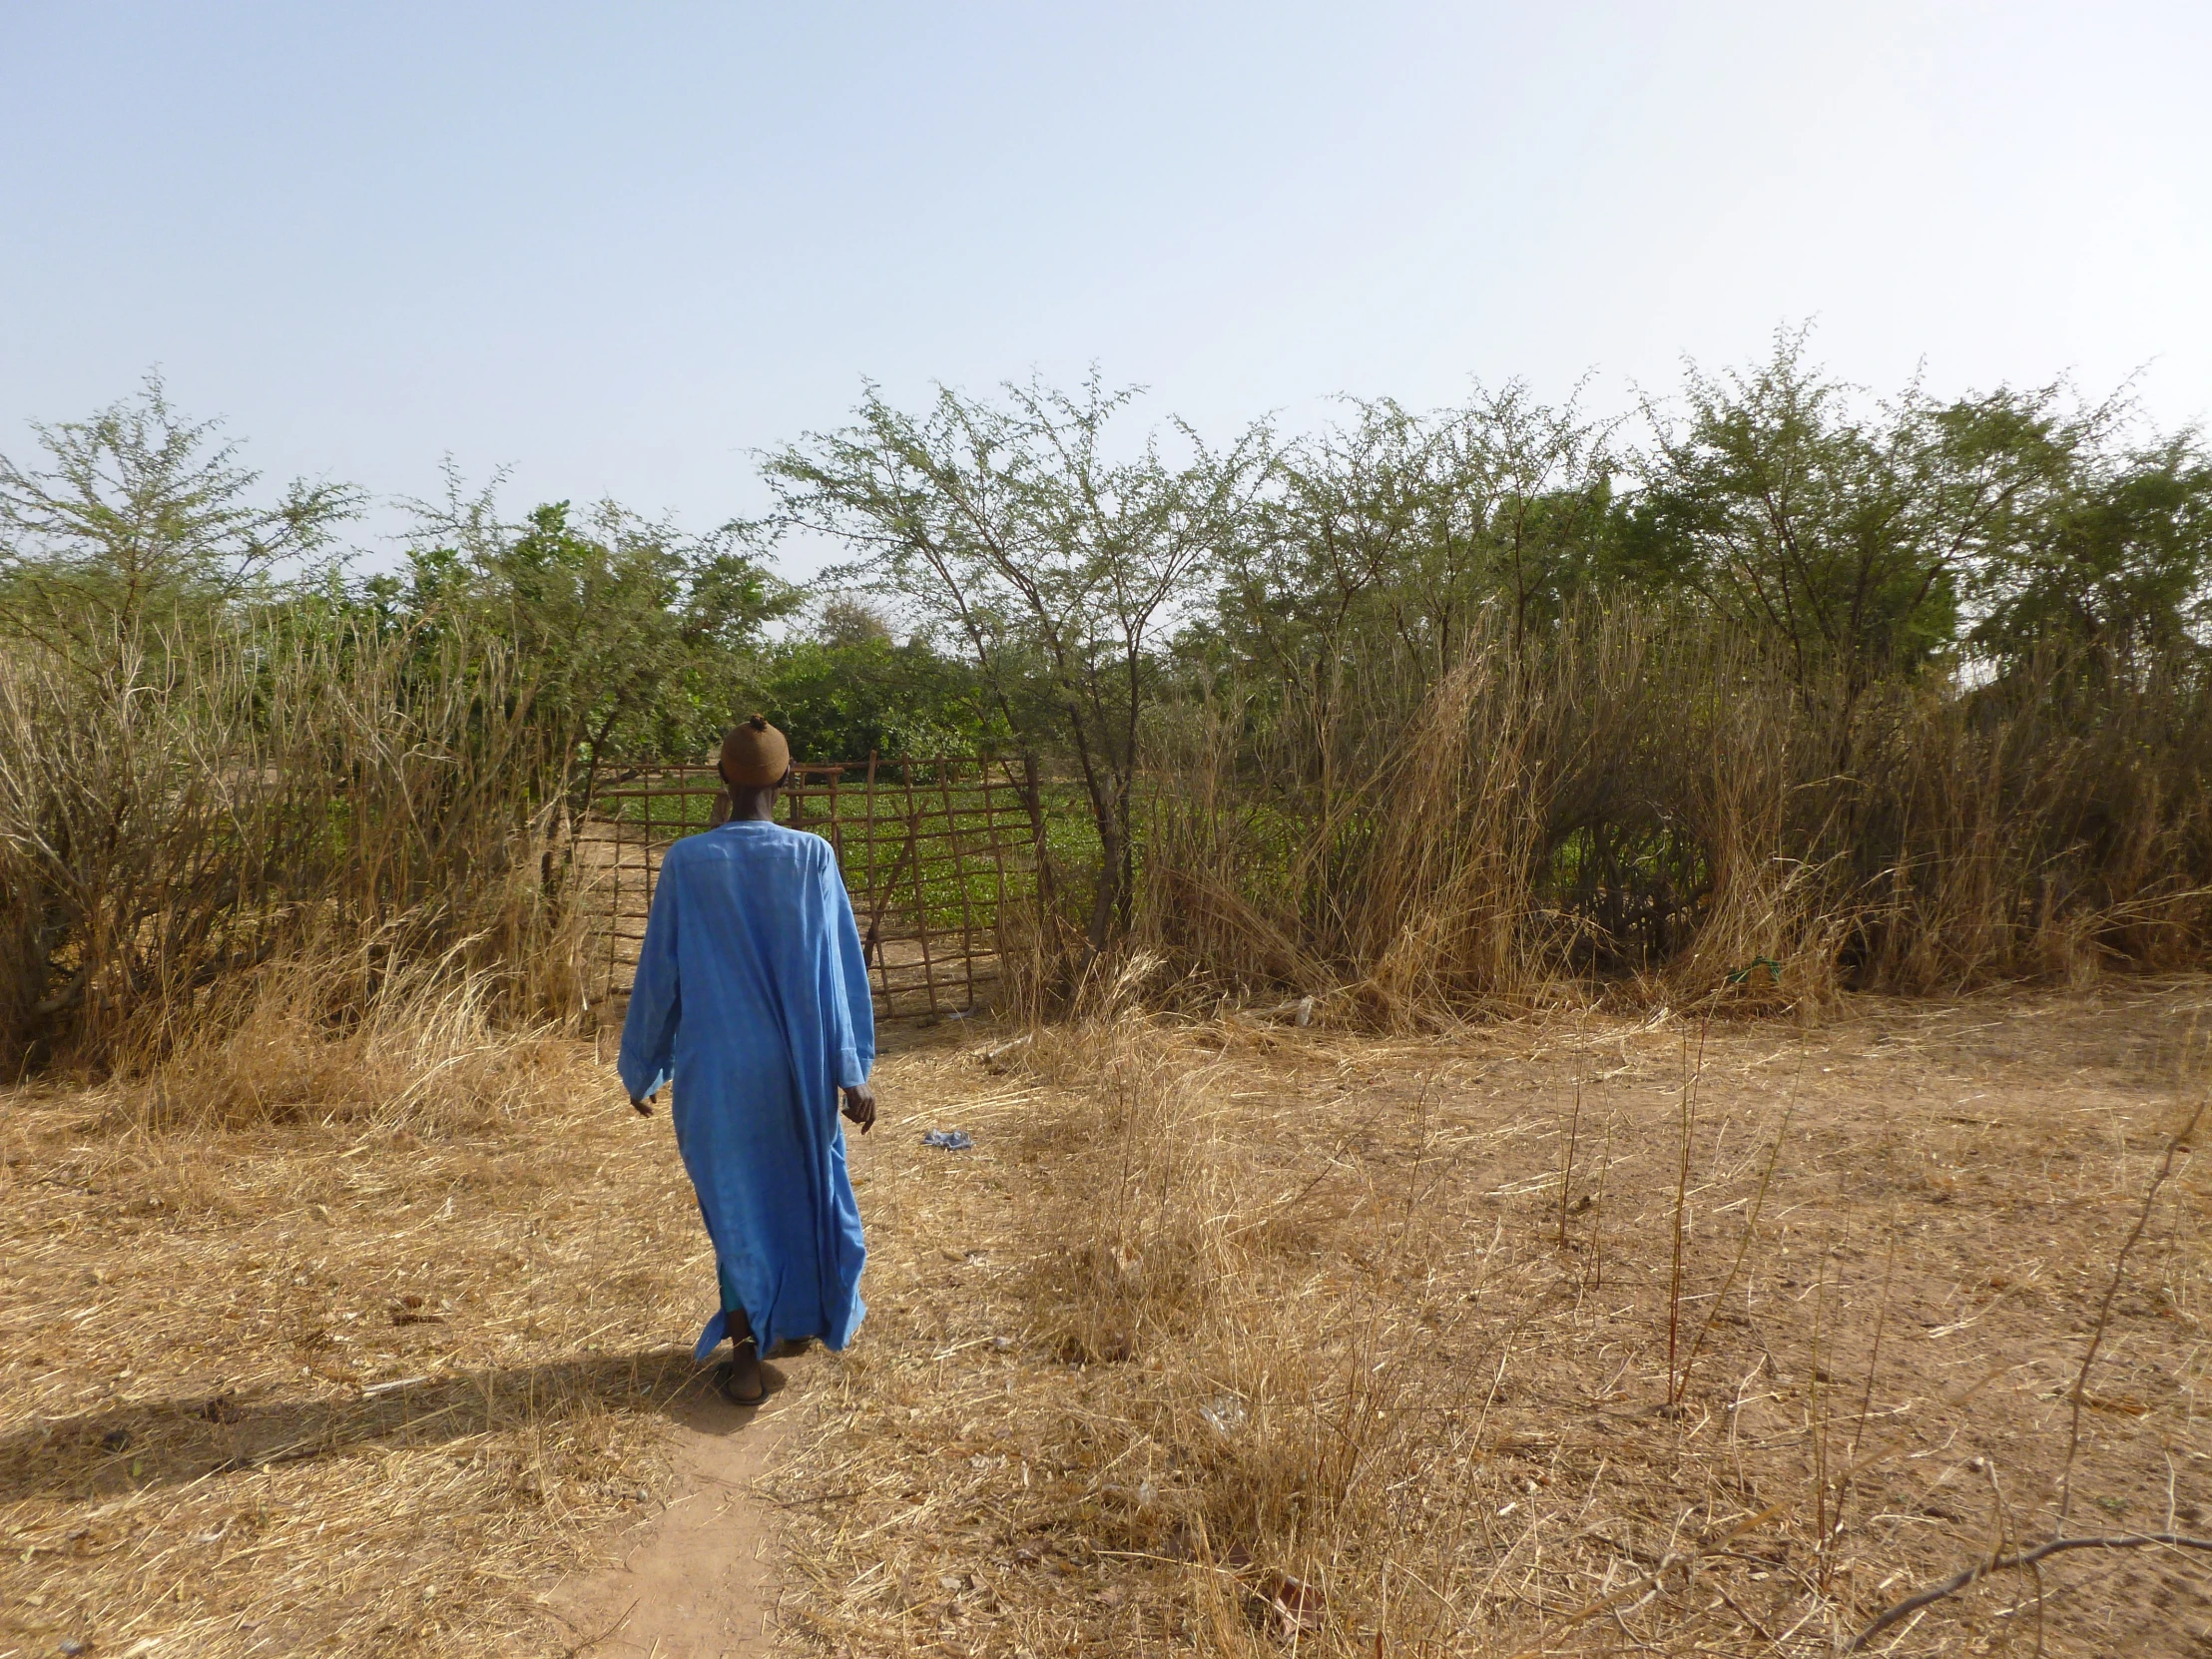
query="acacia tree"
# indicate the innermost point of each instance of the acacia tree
(126, 551)
(1414, 523)
(1011, 528)
(1852, 538)
(2115, 557)
(1868, 540)
(138, 515)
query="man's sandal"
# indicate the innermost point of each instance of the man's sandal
(727, 1379)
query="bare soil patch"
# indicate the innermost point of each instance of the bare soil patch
(697, 1577)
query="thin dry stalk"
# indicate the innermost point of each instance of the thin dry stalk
(1743, 1243)
(1824, 1522)
(1852, 1464)
(1685, 1125)
(2176, 1146)
(1566, 1170)
(1597, 1213)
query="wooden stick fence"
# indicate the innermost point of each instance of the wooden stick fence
(935, 854)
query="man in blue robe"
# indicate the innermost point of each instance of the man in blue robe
(751, 995)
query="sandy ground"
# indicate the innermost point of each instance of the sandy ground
(697, 1579)
(352, 1387)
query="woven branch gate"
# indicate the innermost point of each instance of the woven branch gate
(937, 855)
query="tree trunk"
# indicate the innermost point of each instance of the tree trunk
(1108, 898)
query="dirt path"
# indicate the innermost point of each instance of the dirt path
(697, 1581)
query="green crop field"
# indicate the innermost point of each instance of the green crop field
(967, 833)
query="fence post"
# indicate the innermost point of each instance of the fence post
(922, 893)
(960, 869)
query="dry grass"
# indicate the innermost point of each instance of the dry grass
(428, 1052)
(1652, 805)
(1229, 1337)
(1236, 1338)
(361, 1378)
(183, 813)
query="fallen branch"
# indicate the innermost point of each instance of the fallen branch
(2007, 1563)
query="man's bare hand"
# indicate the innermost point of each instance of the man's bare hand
(645, 1106)
(860, 1106)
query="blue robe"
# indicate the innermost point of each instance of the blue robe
(752, 993)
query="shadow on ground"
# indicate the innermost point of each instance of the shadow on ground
(172, 1442)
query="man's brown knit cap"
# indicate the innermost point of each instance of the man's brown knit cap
(755, 754)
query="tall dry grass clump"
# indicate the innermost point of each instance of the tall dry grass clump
(1147, 1247)
(1655, 803)
(1442, 901)
(432, 1048)
(184, 816)
(1274, 1427)
(2041, 827)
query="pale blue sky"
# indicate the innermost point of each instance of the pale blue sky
(618, 247)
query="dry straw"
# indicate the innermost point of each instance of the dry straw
(1238, 1338)
(1652, 805)
(348, 1347)
(1243, 1338)
(178, 812)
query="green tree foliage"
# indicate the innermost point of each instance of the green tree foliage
(849, 690)
(1058, 567)
(631, 639)
(2116, 556)
(1065, 588)
(1875, 541)
(1796, 520)
(1390, 536)
(139, 515)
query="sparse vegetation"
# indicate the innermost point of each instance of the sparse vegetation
(1421, 715)
(1499, 1145)
(1242, 1339)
